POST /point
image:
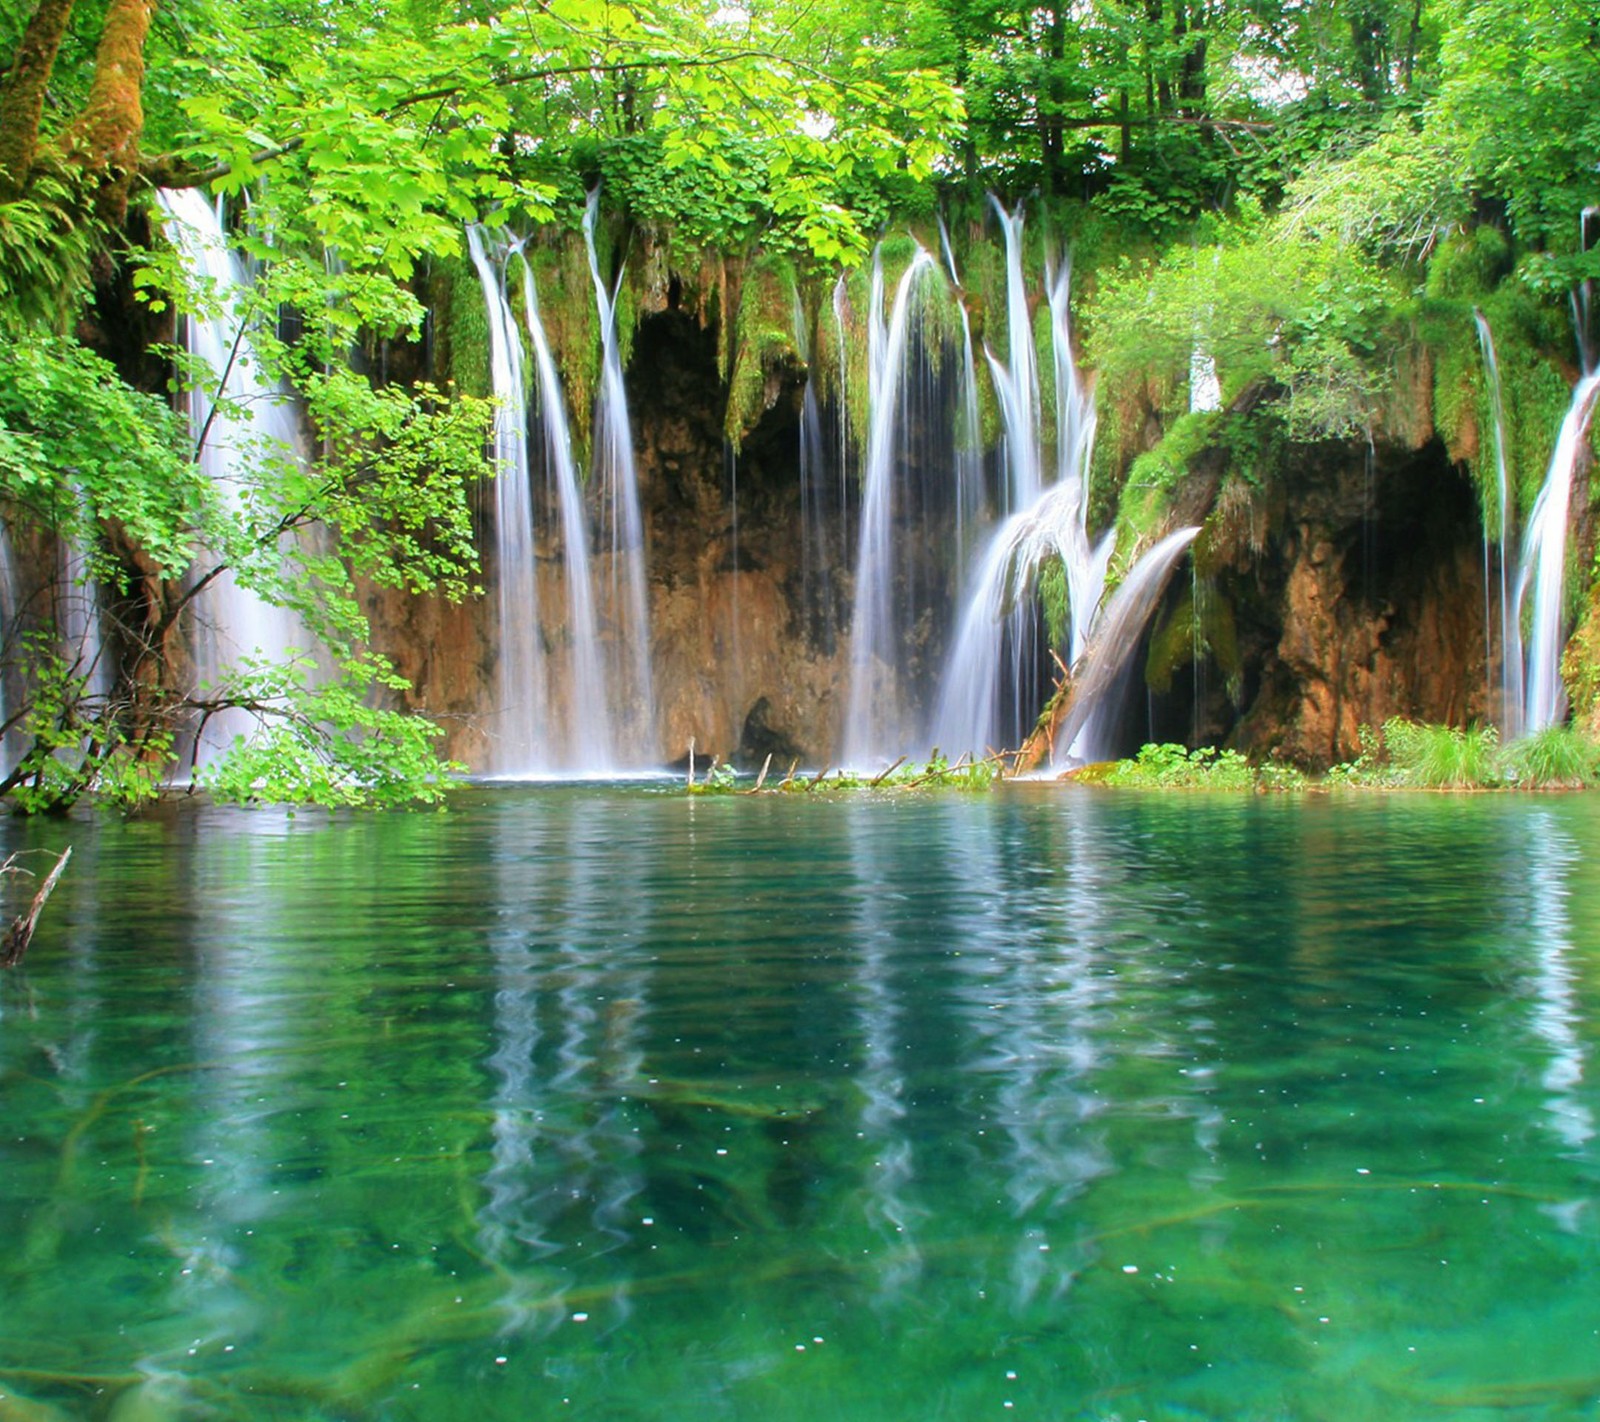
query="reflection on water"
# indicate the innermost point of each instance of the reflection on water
(1552, 859)
(614, 1103)
(890, 1171)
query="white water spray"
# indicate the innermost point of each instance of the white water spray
(1087, 733)
(590, 746)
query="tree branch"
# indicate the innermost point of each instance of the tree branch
(167, 170)
(20, 934)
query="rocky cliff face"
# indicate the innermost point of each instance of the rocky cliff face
(1364, 601)
(731, 634)
(1348, 591)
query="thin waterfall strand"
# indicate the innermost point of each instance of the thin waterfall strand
(590, 748)
(871, 719)
(1511, 691)
(1543, 565)
(614, 465)
(522, 694)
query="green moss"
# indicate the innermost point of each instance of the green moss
(461, 326)
(1580, 666)
(764, 342)
(1165, 466)
(1202, 624)
(567, 310)
(1054, 596)
(1468, 265)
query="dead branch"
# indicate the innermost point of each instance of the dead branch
(883, 775)
(20, 934)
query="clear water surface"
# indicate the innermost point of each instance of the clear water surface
(606, 1103)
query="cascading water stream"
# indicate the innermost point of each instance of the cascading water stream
(612, 442)
(558, 714)
(841, 316)
(969, 430)
(987, 685)
(873, 718)
(984, 671)
(1017, 382)
(1087, 733)
(590, 746)
(1511, 693)
(521, 691)
(1543, 564)
(1086, 562)
(239, 418)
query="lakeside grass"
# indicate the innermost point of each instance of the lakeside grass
(1399, 755)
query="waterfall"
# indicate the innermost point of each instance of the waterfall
(612, 442)
(77, 617)
(874, 716)
(590, 746)
(240, 419)
(1017, 382)
(521, 693)
(989, 679)
(1086, 562)
(1088, 731)
(1205, 389)
(1511, 695)
(986, 667)
(841, 315)
(969, 428)
(1543, 564)
(557, 713)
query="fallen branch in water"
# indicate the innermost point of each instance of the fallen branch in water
(20, 934)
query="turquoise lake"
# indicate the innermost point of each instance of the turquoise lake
(603, 1102)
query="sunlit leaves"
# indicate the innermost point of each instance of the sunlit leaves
(78, 446)
(1520, 100)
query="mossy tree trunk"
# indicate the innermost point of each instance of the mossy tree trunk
(104, 138)
(102, 141)
(22, 94)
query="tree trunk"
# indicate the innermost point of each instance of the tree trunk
(1192, 70)
(1051, 144)
(22, 94)
(104, 138)
(1156, 24)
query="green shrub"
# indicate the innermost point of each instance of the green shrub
(1173, 767)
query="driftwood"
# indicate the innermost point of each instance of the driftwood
(883, 775)
(761, 779)
(20, 934)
